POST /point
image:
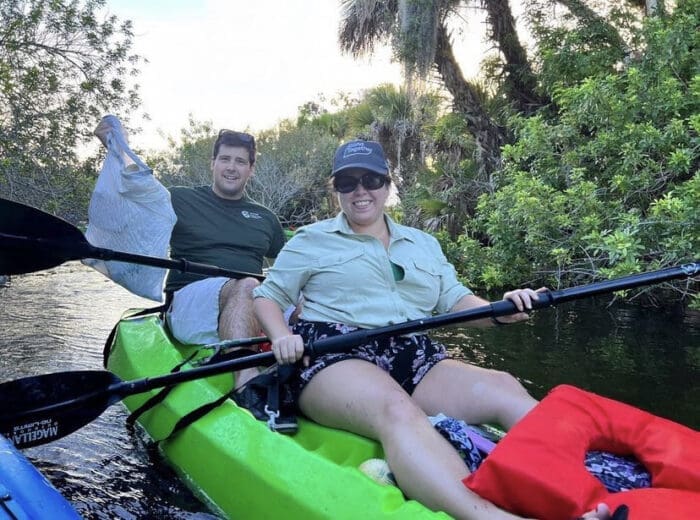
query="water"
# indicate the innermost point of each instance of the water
(644, 357)
(58, 320)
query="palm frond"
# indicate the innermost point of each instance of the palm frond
(364, 24)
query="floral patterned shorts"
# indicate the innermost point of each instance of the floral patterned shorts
(406, 358)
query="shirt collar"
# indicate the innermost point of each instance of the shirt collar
(340, 224)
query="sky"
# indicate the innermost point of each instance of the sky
(241, 65)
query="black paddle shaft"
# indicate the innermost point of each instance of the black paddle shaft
(44, 408)
(507, 307)
(37, 410)
(495, 309)
(31, 240)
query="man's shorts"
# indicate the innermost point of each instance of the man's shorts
(193, 316)
(406, 358)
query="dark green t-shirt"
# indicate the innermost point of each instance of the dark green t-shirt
(233, 234)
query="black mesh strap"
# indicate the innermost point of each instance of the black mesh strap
(269, 382)
(157, 398)
(218, 356)
(195, 414)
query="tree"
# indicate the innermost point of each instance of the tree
(609, 184)
(63, 64)
(601, 182)
(419, 33)
(187, 159)
(293, 170)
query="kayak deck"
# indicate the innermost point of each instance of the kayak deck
(235, 463)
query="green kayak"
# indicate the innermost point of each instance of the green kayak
(237, 465)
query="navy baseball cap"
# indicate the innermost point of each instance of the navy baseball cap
(367, 155)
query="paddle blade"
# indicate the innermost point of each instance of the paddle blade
(31, 240)
(41, 409)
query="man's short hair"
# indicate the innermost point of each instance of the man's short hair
(232, 138)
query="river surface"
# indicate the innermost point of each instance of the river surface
(58, 320)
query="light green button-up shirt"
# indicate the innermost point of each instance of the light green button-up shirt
(347, 277)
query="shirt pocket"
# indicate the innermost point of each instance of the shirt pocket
(340, 267)
(423, 284)
(337, 259)
(339, 270)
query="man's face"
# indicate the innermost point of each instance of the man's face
(231, 170)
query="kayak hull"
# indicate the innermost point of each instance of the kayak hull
(234, 462)
(25, 493)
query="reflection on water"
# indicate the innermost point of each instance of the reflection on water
(640, 356)
(58, 320)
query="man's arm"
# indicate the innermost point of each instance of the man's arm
(110, 124)
(129, 211)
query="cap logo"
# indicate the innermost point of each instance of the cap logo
(358, 148)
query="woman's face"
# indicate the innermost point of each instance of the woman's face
(362, 206)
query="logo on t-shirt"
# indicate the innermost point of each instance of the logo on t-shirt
(250, 214)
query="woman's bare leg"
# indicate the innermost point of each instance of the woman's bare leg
(473, 394)
(359, 397)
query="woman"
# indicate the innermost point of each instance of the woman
(362, 270)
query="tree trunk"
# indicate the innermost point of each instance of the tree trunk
(520, 82)
(651, 7)
(488, 135)
(579, 9)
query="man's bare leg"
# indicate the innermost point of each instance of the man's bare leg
(236, 317)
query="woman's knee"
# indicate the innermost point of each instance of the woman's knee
(506, 381)
(398, 406)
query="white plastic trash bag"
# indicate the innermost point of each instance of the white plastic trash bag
(130, 211)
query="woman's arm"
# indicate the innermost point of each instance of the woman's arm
(522, 298)
(286, 346)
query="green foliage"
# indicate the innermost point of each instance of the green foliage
(187, 159)
(453, 176)
(335, 123)
(607, 184)
(578, 43)
(292, 171)
(62, 66)
(473, 260)
(674, 221)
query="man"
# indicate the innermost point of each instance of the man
(221, 226)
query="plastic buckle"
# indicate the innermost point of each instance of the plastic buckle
(273, 415)
(216, 350)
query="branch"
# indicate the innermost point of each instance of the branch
(588, 16)
(488, 136)
(521, 82)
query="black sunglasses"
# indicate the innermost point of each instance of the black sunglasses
(348, 183)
